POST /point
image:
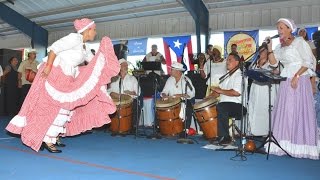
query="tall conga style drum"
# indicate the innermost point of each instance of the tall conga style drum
(168, 111)
(121, 120)
(206, 114)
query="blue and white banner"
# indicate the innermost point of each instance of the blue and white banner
(137, 47)
(247, 42)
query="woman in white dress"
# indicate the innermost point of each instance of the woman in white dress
(258, 109)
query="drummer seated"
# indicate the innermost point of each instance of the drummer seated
(230, 105)
(181, 86)
(125, 84)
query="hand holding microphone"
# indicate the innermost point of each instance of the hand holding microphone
(268, 43)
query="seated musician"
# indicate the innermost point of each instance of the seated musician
(213, 69)
(230, 99)
(128, 85)
(176, 86)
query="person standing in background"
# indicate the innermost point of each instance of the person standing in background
(11, 90)
(26, 69)
(303, 33)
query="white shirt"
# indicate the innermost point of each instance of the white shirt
(129, 83)
(70, 52)
(218, 69)
(233, 82)
(297, 54)
(172, 87)
(150, 58)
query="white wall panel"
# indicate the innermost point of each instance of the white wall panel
(315, 14)
(303, 12)
(238, 19)
(15, 42)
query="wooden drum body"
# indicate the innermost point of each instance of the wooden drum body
(168, 111)
(206, 114)
(121, 120)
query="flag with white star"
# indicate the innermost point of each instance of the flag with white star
(178, 48)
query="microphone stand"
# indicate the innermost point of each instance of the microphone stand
(185, 140)
(139, 110)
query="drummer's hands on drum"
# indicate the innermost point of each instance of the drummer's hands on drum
(216, 89)
(182, 95)
(130, 92)
(164, 95)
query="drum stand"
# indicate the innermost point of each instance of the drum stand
(154, 135)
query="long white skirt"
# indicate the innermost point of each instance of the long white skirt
(258, 107)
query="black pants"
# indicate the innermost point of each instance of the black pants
(225, 111)
(24, 91)
(136, 110)
(12, 95)
(189, 110)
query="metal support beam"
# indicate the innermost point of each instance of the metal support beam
(200, 15)
(38, 35)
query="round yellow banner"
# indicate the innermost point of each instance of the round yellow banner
(246, 45)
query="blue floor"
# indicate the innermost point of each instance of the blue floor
(101, 156)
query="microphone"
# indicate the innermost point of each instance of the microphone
(273, 37)
(188, 84)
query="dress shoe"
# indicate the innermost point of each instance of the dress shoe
(50, 148)
(226, 140)
(216, 140)
(59, 143)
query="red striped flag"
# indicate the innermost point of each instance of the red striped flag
(178, 48)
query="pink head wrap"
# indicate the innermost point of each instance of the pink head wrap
(83, 24)
(289, 22)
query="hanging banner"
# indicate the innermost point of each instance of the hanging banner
(246, 41)
(137, 47)
(178, 48)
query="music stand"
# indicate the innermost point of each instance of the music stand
(266, 76)
(153, 66)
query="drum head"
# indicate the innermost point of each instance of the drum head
(125, 99)
(168, 102)
(204, 103)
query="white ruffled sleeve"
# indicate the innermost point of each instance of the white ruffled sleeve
(66, 43)
(306, 54)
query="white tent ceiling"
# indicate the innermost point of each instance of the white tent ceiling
(54, 15)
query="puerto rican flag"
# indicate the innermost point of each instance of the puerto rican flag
(178, 48)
